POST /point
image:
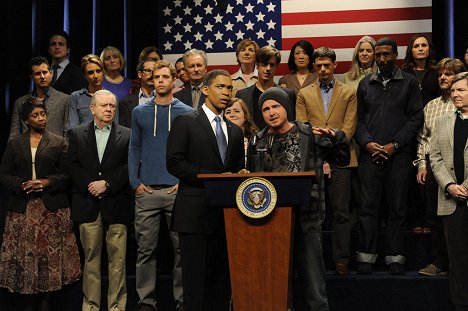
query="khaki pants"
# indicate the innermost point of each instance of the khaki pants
(91, 236)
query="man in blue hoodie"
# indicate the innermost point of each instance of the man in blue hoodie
(155, 189)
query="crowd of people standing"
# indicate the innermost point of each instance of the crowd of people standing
(93, 149)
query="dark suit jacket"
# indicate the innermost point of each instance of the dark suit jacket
(57, 114)
(16, 168)
(247, 96)
(70, 80)
(185, 96)
(192, 150)
(126, 106)
(84, 167)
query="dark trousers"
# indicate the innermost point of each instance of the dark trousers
(339, 196)
(456, 235)
(391, 180)
(205, 271)
(308, 260)
(438, 247)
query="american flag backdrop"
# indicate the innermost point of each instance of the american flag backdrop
(339, 24)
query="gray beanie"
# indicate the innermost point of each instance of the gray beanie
(278, 95)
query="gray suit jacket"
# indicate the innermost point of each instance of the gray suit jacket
(57, 114)
(441, 157)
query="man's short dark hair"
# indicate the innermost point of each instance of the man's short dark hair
(266, 53)
(324, 52)
(211, 75)
(61, 33)
(28, 106)
(387, 41)
(37, 61)
(179, 60)
(141, 63)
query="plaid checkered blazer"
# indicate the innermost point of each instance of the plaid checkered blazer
(441, 157)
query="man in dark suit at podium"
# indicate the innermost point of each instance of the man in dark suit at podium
(203, 141)
(299, 147)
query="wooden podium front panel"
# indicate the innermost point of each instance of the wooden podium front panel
(259, 259)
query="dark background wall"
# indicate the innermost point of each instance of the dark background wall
(17, 30)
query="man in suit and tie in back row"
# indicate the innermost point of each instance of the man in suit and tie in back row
(67, 77)
(449, 162)
(203, 141)
(195, 62)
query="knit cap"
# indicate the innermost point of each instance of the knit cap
(278, 95)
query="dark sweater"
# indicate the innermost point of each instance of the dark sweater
(460, 135)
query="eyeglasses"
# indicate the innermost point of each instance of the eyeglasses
(147, 71)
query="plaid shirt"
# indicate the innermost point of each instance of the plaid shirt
(433, 110)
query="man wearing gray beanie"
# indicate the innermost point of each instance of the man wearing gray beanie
(277, 94)
(285, 146)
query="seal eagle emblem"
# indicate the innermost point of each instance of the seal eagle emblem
(256, 197)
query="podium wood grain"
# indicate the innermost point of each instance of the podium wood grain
(260, 270)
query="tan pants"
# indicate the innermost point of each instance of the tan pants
(91, 236)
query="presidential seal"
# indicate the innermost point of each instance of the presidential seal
(256, 197)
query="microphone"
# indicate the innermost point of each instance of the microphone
(270, 144)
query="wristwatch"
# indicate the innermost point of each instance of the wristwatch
(396, 145)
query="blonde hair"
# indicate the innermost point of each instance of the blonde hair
(353, 73)
(91, 59)
(109, 50)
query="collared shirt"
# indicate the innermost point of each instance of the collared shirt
(61, 67)
(326, 90)
(460, 115)
(196, 94)
(43, 100)
(383, 79)
(211, 118)
(102, 136)
(142, 98)
(433, 110)
(238, 82)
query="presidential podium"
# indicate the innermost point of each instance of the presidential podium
(259, 249)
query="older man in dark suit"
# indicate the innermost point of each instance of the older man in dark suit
(56, 102)
(101, 199)
(195, 62)
(203, 142)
